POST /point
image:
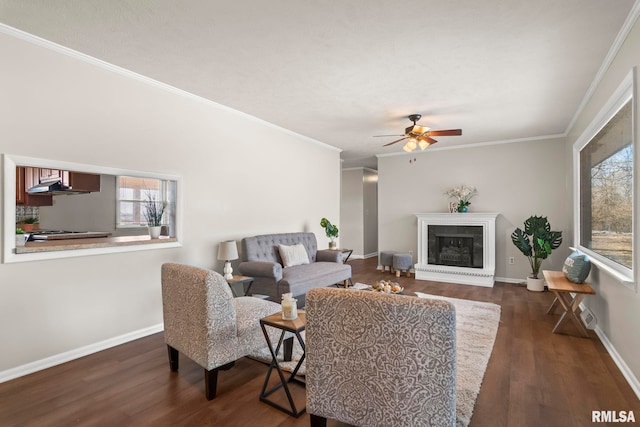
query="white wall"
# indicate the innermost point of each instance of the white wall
(370, 213)
(616, 307)
(516, 180)
(359, 212)
(241, 176)
(351, 211)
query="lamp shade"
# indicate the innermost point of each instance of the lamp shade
(228, 250)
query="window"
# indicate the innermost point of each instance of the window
(605, 173)
(134, 192)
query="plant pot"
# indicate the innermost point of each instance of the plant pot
(154, 231)
(332, 245)
(20, 239)
(29, 227)
(535, 285)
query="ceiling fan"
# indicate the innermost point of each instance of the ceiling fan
(420, 136)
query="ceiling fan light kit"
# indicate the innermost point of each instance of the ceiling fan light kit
(420, 136)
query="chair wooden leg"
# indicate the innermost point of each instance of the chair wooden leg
(211, 380)
(210, 383)
(317, 421)
(173, 358)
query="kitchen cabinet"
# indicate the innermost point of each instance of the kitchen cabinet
(25, 179)
(83, 181)
(48, 174)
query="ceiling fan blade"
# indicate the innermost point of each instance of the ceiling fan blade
(425, 142)
(397, 140)
(376, 136)
(429, 139)
(450, 132)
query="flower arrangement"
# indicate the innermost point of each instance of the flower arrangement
(463, 195)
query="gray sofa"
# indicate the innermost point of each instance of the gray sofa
(261, 260)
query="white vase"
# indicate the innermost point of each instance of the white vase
(154, 231)
(535, 285)
(20, 239)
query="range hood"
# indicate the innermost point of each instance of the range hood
(53, 188)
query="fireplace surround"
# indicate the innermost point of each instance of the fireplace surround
(457, 248)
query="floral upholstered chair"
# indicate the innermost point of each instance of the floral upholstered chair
(380, 359)
(204, 322)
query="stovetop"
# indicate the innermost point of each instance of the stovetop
(63, 235)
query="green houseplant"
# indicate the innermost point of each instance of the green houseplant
(29, 224)
(153, 213)
(536, 242)
(330, 230)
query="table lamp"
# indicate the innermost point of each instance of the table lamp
(228, 251)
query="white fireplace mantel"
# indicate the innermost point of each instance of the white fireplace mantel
(454, 274)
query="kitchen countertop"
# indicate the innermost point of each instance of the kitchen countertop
(90, 243)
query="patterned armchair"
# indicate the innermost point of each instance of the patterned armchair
(380, 359)
(204, 322)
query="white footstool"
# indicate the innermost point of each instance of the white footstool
(402, 262)
(386, 260)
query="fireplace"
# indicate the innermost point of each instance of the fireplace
(456, 248)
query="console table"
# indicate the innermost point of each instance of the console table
(563, 288)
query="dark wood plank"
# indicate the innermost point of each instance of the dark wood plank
(534, 377)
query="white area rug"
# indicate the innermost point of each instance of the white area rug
(476, 329)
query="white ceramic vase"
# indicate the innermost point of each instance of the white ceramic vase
(20, 239)
(535, 285)
(154, 231)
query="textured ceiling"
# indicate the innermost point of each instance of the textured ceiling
(343, 71)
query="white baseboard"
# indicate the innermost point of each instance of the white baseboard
(365, 256)
(510, 280)
(77, 353)
(619, 361)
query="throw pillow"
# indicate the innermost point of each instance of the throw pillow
(293, 255)
(576, 267)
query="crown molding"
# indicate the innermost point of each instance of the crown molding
(606, 63)
(478, 144)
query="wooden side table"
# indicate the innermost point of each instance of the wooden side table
(344, 251)
(296, 327)
(563, 288)
(244, 280)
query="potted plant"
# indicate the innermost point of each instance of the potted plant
(29, 224)
(153, 213)
(536, 242)
(330, 230)
(20, 237)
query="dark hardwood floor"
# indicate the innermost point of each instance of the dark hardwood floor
(534, 378)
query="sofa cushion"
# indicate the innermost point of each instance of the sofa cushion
(265, 247)
(293, 255)
(301, 278)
